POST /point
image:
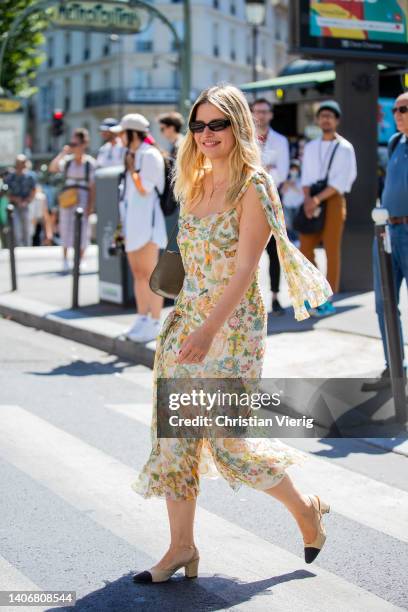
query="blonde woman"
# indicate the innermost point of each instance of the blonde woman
(229, 207)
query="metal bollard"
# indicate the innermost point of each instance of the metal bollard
(11, 245)
(395, 349)
(79, 213)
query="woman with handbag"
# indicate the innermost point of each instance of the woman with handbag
(142, 220)
(78, 190)
(229, 207)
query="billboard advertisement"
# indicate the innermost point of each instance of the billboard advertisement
(376, 29)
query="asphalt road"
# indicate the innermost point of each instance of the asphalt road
(75, 431)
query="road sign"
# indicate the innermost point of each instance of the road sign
(8, 105)
(104, 16)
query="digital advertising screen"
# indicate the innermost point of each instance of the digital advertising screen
(375, 29)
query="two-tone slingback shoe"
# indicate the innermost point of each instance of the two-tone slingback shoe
(189, 559)
(312, 549)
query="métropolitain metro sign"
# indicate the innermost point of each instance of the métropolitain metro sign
(97, 16)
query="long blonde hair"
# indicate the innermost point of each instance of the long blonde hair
(244, 158)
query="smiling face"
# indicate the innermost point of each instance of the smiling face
(214, 145)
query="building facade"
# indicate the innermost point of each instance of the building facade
(92, 75)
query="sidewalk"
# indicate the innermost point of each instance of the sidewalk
(345, 345)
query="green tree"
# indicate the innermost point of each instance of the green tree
(23, 55)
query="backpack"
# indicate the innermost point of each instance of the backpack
(168, 202)
(393, 143)
(87, 172)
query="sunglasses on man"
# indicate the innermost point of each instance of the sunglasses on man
(216, 125)
(400, 109)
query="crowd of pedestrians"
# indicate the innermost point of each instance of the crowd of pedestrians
(312, 183)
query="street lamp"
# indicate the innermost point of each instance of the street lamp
(116, 38)
(255, 15)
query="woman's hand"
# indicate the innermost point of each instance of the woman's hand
(195, 347)
(309, 206)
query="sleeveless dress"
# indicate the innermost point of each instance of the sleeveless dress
(208, 246)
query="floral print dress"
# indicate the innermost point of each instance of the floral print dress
(208, 246)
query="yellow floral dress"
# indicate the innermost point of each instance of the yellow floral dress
(208, 246)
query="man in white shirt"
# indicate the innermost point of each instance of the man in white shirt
(275, 159)
(112, 152)
(341, 176)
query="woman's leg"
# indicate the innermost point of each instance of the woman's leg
(142, 263)
(298, 504)
(181, 518)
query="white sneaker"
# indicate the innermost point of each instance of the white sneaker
(136, 325)
(149, 330)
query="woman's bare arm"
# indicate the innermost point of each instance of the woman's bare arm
(254, 233)
(138, 183)
(54, 164)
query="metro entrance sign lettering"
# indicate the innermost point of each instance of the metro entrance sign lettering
(98, 16)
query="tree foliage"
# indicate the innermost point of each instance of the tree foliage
(23, 53)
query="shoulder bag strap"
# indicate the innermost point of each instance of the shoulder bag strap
(172, 234)
(331, 159)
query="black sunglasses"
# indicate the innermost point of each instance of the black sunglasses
(400, 109)
(216, 125)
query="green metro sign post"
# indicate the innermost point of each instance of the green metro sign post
(97, 16)
(113, 16)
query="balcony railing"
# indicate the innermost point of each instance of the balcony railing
(133, 95)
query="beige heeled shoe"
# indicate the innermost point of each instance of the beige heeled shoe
(189, 559)
(312, 549)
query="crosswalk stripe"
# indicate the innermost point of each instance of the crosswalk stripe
(11, 579)
(143, 411)
(355, 496)
(91, 480)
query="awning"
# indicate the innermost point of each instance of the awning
(308, 79)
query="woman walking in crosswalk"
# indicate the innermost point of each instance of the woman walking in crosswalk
(229, 207)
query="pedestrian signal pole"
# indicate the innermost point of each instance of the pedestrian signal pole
(393, 337)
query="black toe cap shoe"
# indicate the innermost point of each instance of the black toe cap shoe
(310, 554)
(143, 577)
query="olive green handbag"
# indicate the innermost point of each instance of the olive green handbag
(168, 276)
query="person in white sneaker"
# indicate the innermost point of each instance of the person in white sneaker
(143, 221)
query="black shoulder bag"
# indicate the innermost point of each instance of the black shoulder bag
(303, 224)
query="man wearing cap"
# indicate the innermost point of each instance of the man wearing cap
(341, 176)
(112, 151)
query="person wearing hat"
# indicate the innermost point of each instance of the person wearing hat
(143, 221)
(112, 152)
(341, 176)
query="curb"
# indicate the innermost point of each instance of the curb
(42, 317)
(78, 328)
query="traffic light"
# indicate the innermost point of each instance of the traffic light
(57, 127)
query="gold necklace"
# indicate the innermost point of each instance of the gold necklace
(215, 188)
